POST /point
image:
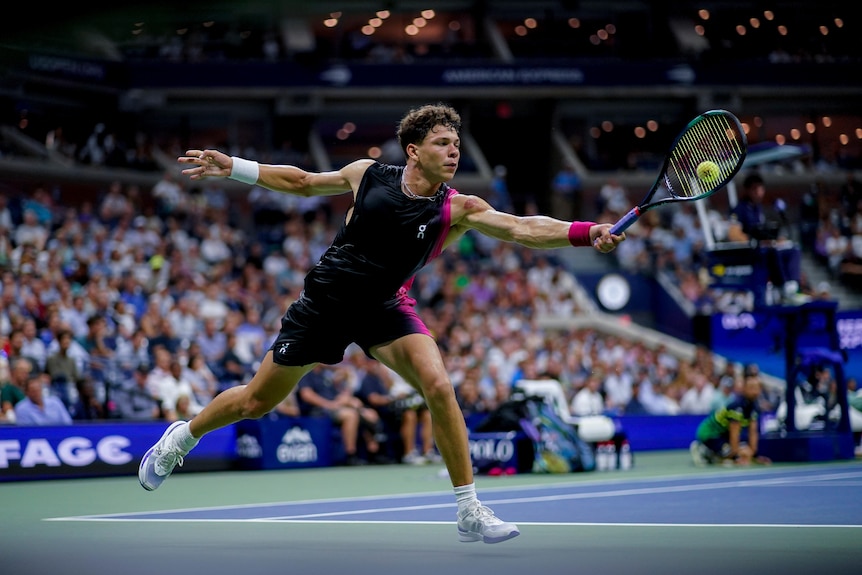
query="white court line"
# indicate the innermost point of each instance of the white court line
(449, 523)
(317, 517)
(485, 489)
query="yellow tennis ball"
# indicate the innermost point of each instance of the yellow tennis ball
(707, 171)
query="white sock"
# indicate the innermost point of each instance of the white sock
(465, 495)
(185, 438)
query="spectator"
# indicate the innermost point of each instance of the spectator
(169, 195)
(133, 352)
(402, 411)
(326, 394)
(613, 199)
(31, 346)
(62, 369)
(185, 409)
(31, 232)
(837, 247)
(588, 400)
(567, 188)
(212, 341)
(471, 402)
(288, 407)
(98, 347)
(752, 221)
(160, 382)
(184, 320)
(114, 206)
(698, 398)
(38, 409)
(7, 226)
(634, 406)
(232, 369)
(618, 387)
(251, 337)
(87, 407)
(166, 383)
(498, 192)
(165, 336)
(202, 379)
(135, 402)
(13, 391)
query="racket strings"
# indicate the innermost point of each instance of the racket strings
(712, 138)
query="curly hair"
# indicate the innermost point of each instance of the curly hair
(418, 123)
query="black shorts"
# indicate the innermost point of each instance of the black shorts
(719, 446)
(315, 333)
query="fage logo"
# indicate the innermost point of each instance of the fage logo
(73, 451)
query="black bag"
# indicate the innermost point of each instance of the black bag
(557, 446)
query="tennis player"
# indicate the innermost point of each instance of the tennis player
(400, 219)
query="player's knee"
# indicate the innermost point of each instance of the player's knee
(438, 390)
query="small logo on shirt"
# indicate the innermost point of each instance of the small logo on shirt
(283, 349)
(421, 234)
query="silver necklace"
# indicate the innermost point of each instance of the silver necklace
(410, 194)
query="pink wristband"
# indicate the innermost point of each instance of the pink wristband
(579, 233)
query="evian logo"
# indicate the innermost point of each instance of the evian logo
(296, 435)
(296, 447)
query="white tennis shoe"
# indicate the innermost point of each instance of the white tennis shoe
(478, 523)
(159, 461)
(698, 455)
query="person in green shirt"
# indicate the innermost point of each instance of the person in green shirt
(720, 436)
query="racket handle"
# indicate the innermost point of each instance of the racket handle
(626, 221)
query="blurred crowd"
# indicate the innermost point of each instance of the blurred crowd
(148, 303)
(672, 242)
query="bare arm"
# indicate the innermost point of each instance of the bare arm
(733, 432)
(288, 179)
(540, 232)
(311, 397)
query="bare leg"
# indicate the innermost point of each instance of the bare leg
(417, 359)
(408, 431)
(348, 419)
(267, 388)
(427, 432)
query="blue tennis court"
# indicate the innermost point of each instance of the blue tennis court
(663, 516)
(790, 498)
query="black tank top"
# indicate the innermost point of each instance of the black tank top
(389, 238)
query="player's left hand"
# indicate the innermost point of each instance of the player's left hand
(207, 164)
(603, 240)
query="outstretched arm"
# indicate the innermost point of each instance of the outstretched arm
(540, 232)
(288, 179)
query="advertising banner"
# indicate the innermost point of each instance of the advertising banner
(284, 443)
(98, 449)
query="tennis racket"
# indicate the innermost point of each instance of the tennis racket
(703, 159)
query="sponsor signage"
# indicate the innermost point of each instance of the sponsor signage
(508, 450)
(97, 449)
(284, 443)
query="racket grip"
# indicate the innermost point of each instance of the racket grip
(626, 221)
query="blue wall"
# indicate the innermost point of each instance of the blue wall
(654, 432)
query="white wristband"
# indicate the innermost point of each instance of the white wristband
(245, 171)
